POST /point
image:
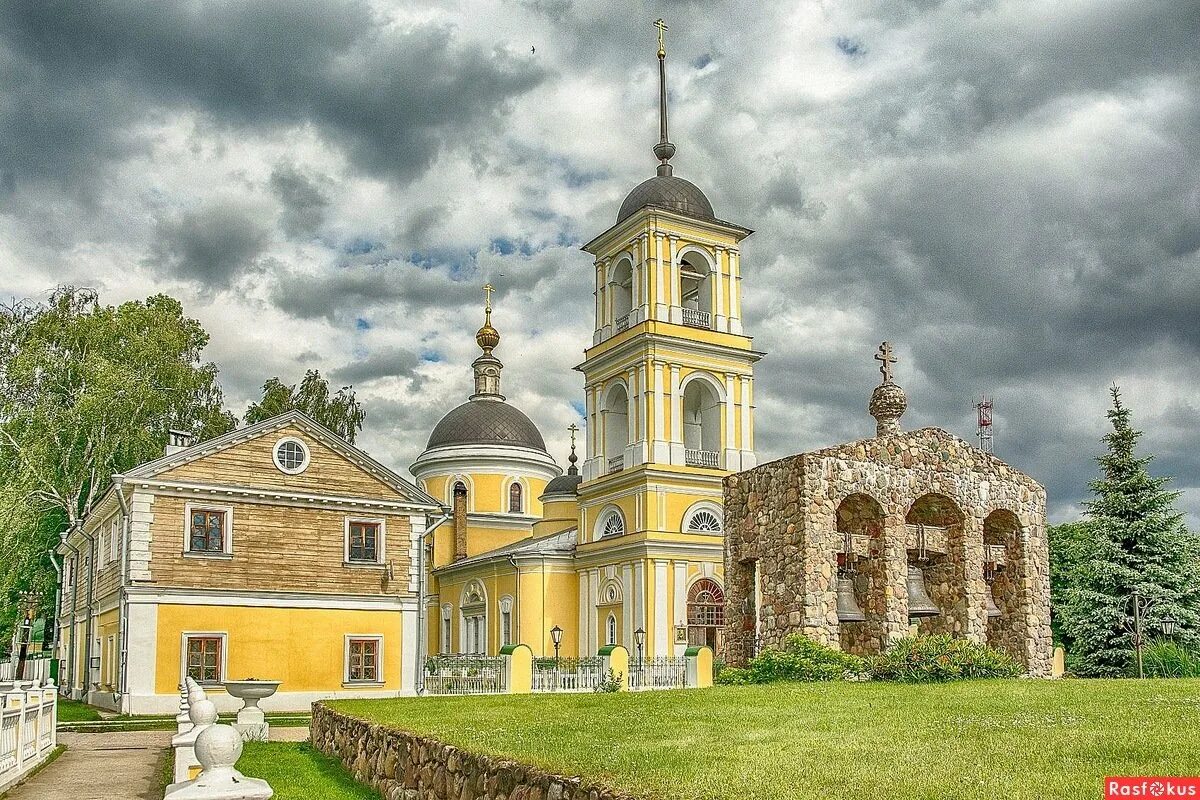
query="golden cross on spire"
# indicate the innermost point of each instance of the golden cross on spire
(574, 429)
(662, 47)
(487, 291)
(885, 359)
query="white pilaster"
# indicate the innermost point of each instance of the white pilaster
(747, 442)
(661, 300)
(639, 598)
(735, 292)
(679, 617)
(732, 456)
(662, 622)
(627, 607)
(141, 659)
(661, 452)
(609, 317)
(593, 598)
(598, 297)
(676, 418)
(719, 286)
(676, 314)
(581, 642)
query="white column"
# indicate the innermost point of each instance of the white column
(676, 315)
(732, 460)
(735, 292)
(141, 659)
(661, 300)
(409, 629)
(676, 418)
(599, 299)
(593, 596)
(661, 452)
(627, 606)
(609, 317)
(589, 461)
(662, 623)
(747, 443)
(719, 286)
(634, 280)
(581, 641)
(639, 598)
(679, 617)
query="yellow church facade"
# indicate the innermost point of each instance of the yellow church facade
(627, 549)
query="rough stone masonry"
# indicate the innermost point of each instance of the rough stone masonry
(972, 526)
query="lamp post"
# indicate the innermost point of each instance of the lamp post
(1140, 608)
(639, 636)
(556, 637)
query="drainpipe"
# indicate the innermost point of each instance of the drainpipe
(516, 599)
(71, 661)
(122, 597)
(421, 612)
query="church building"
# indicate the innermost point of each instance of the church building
(628, 548)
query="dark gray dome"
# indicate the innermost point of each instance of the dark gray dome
(486, 422)
(564, 484)
(667, 191)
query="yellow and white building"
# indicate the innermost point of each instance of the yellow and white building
(277, 551)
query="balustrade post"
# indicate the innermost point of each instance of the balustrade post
(699, 667)
(203, 715)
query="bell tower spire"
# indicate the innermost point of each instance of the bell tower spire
(487, 367)
(664, 149)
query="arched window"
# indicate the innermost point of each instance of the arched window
(701, 424)
(612, 525)
(621, 287)
(514, 498)
(506, 631)
(611, 630)
(695, 291)
(474, 619)
(446, 628)
(705, 613)
(616, 427)
(704, 521)
(460, 493)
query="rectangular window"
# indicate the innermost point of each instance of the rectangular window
(114, 539)
(364, 542)
(446, 631)
(505, 627)
(204, 659)
(206, 531)
(364, 661)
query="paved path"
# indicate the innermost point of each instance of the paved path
(113, 766)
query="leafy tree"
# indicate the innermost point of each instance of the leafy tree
(1138, 541)
(88, 390)
(341, 413)
(1070, 547)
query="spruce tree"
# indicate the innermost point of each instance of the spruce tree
(1138, 541)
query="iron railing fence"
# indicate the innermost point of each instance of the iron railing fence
(662, 672)
(464, 673)
(567, 674)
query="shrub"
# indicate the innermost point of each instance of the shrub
(800, 659)
(933, 659)
(1164, 658)
(610, 683)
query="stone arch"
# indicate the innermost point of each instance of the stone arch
(859, 520)
(1005, 569)
(935, 528)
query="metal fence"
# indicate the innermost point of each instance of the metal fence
(665, 672)
(567, 674)
(464, 673)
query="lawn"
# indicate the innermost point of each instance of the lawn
(74, 711)
(297, 772)
(978, 740)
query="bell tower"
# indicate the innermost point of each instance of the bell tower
(669, 376)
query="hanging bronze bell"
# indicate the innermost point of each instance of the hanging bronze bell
(848, 609)
(989, 602)
(919, 602)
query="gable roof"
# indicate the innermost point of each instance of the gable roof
(299, 419)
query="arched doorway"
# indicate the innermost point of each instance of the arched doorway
(706, 614)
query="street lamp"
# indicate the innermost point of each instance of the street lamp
(1139, 609)
(1169, 625)
(556, 637)
(639, 636)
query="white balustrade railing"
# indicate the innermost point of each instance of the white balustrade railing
(701, 458)
(622, 323)
(696, 319)
(27, 728)
(616, 463)
(665, 672)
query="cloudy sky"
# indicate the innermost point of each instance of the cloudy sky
(1009, 191)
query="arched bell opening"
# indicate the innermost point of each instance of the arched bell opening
(936, 581)
(862, 575)
(1004, 575)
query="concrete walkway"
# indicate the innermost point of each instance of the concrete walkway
(113, 766)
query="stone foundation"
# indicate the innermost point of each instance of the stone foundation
(404, 766)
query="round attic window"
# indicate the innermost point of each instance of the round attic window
(291, 455)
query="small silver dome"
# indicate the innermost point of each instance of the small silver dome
(486, 421)
(670, 192)
(564, 484)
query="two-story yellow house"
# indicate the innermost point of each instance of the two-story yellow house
(278, 551)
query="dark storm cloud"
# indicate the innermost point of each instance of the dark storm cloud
(211, 245)
(357, 286)
(392, 362)
(303, 199)
(82, 74)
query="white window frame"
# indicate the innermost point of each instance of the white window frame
(190, 507)
(506, 621)
(610, 630)
(183, 643)
(447, 622)
(379, 545)
(378, 639)
(508, 496)
(114, 538)
(602, 520)
(704, 505)
(473, 619)
(303, 447)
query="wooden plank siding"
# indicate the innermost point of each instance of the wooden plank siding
(276, 548)
(250, 464)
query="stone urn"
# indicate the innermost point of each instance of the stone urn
(251, 722)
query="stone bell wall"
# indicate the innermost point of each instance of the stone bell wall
(404, 766)
(781, 523)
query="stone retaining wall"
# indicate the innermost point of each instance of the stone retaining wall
(404, 766)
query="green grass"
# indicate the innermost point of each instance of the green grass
(74, 711)
(971, 740)
(298, 772)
